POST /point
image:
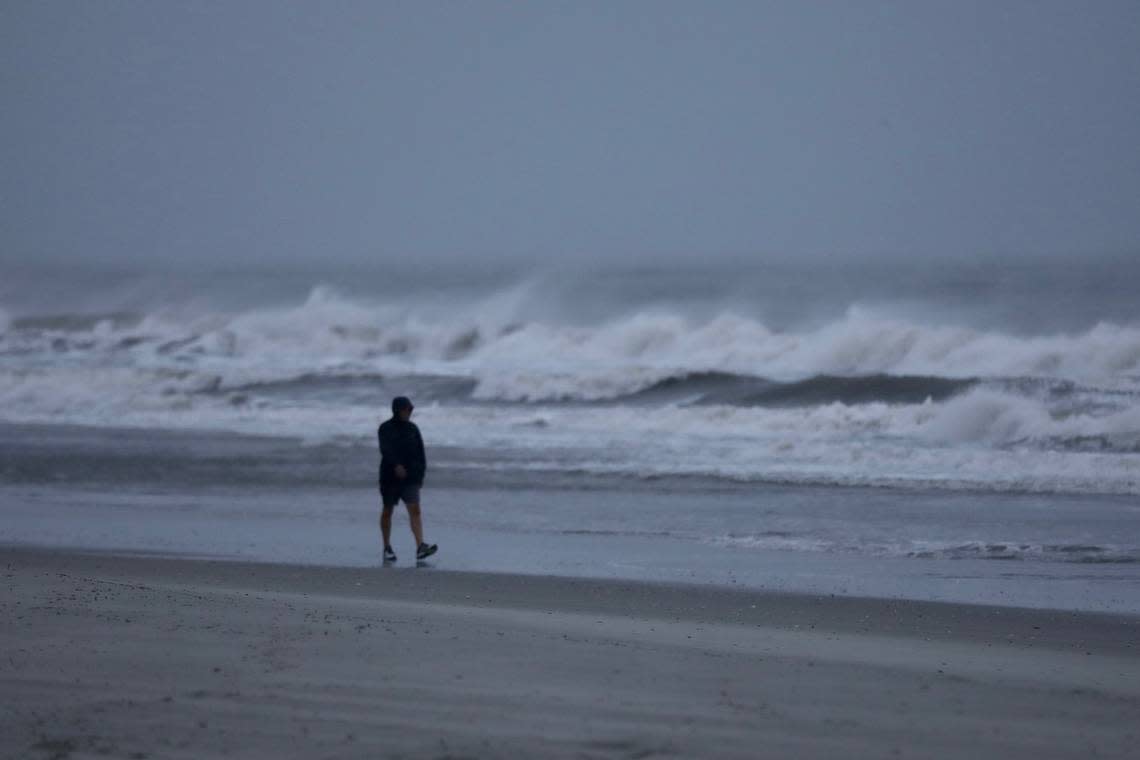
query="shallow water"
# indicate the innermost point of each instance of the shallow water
(271, 499)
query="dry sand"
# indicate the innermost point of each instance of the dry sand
(119, 656)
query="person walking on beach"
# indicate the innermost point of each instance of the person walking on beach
(402, 467)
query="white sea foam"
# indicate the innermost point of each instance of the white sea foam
(867, 444)
(1003, 418)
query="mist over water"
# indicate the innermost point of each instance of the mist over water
(1013, 295)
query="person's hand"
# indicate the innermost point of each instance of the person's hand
(401, 473)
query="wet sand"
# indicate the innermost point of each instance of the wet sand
(139, 656)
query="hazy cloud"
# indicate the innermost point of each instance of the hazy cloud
(306, 134)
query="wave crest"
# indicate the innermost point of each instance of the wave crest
(487, 339)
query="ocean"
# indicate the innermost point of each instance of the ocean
(790, 413)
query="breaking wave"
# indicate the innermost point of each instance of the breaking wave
(702, 388)
(737, 390)
(864, 399)
(514, 359)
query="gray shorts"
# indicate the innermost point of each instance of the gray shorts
(390, 494)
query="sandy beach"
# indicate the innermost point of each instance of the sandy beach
(145, 656)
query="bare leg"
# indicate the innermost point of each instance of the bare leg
(415, 517)
(386, 525)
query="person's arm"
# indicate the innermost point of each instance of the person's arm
(386, 449)
(390, 459)
(419, 459)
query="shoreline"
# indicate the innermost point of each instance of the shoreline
(575, 533)
(118, 655)
(846, 613)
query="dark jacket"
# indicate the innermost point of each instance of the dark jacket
(401, 443)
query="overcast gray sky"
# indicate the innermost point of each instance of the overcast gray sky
(300, 133)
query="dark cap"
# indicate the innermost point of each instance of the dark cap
(401, 402)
